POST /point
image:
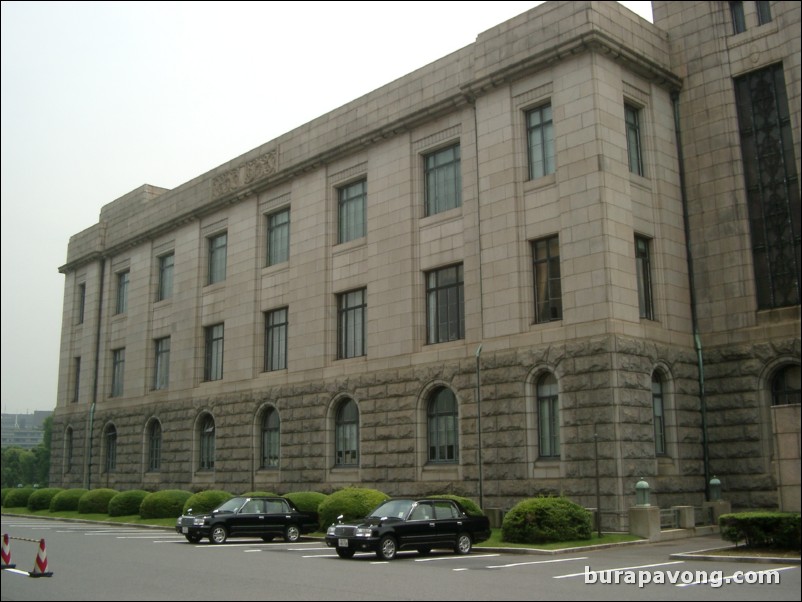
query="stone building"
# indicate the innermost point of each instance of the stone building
(537, 265)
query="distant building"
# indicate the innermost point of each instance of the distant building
(23, 430)
(582, 229)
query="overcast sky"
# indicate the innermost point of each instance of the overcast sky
(99, 98)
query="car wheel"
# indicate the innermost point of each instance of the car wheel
(219, 534)
(464, 544)
(387, 548)
(194, 538)
(424, 551)
(292, 533)
(345, 553)
(267, 538)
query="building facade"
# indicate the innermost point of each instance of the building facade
(472, 280)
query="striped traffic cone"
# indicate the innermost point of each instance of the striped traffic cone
(6, 555)
(40, 568)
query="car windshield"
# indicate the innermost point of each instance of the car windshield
(393, 508)
(231, 505)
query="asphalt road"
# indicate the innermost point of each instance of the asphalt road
(101, 562)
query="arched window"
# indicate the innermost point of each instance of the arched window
(785, 387)
(271, 426)
(154, 446)
(548, 417)
(659, 415)
(346, 434)
(111, 447)
(441, 418)
(207, 443)
(68, 449)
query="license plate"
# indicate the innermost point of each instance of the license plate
(184, 529)
(342, 543)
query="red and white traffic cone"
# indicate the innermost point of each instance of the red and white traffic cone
(40, 568)
(6, 555)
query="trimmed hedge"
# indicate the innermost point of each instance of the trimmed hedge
(205, 501)
(164, 504)
(67, 500)
(126, 503)
(41, 498)
(351, 502)
(544, 520)
(306, 501)
(3, 493)
(471, 507)
(757, 529)
(96, 501)
(18, 497)
(258, 494)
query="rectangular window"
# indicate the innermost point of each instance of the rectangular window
(548, 290)
(644, 275)
(352, 317)
(763, 12)
(161, 373)
(351, 211)
(278, 237)
(118, 371)
(772, 185)
(217, 258)
(445, 302)
(540, 137)
(659, 417)
(122, 292)
(276, 340)
(548, 416)
(737, 14)
(443, 180)
(81, 302)
(634, 151)
(165, 277)
(76, 379)
(213, 364)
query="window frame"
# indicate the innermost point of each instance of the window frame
(214, 352)
(123, 282)
(442, 181)
(352, 211)
(276, 334)
(110, 445)
(207, 433)
(161, 367)
(634, 136)
(154, 446)
(352, 310)
(542, 154)
(783, 391)
(643, 274)
(164, 288)
(435, 303)
(117, 372)
(550, 308)
(270, 443)
(547, 397)
(659, 415)
(346, 434)
(217, 258)
(278, 237)
(442, 427)
(737, 17)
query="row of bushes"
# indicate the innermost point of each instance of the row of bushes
(536, 520)
(757, 529)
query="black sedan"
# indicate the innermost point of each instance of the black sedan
(264, 517)
(405, 524)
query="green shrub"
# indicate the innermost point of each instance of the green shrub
(351, 502)
(67, 500)
(164, 504)
(206, 501)
(18, 497)
(258, 494)
(772, 529)
(96, 501)
(127, 503)
(544, 520)
(3, 492)
(471, 507)
(306, 501)
(41, 498)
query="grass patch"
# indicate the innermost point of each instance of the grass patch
(595, 540)
(74, 514)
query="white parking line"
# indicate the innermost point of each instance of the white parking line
(514, 564)
(456, 557)
(622, 568)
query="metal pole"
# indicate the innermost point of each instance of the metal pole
(479, 425)
(598, 494)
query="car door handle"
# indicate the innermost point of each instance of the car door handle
(459, 523)
(431, 524)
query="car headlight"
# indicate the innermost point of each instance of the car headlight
(330, 530)
(198, 521)
(364, 531)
